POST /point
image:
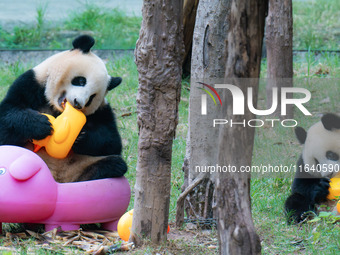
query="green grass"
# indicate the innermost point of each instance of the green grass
(115, 29)
(112, 28)
(316, 24)
(315, 27)
(8, 73)
(312, 65)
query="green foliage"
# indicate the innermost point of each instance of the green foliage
(316, 24)
(8, 74)
(112, 28)
(115, 29)
(27, 36)
(326, 217)
(315, 27)
(311, 65)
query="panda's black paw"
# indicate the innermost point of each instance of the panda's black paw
(40, 128)
(297, 208)
(321, 191)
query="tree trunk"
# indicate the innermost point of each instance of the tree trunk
(235, 226)
(209, 54)
(189, 18)
(279, 43)
(159, 54)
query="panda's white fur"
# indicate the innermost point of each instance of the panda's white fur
(320, 140)
(319, 161)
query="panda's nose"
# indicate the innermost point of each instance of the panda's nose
(76, 104)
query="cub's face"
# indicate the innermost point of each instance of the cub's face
(76, 77)
(322, 146)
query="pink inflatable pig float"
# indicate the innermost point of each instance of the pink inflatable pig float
(29, 194)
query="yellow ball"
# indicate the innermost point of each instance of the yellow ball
(124, 225)
(334, 189)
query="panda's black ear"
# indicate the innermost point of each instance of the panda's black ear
(330, 121)
(114, 82)
(83, 43)
(301, 134)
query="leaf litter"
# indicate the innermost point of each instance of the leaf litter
(63, 242)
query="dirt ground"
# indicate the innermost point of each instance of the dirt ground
(188, 240)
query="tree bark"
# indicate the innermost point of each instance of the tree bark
(236, 231)
(279, 43)
(209, 54)
(159, 54)
(189, 18)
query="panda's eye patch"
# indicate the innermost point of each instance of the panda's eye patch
(332, 156)
(90, 100)
(79, 81)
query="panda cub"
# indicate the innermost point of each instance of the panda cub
(320, 155)
(81, 78)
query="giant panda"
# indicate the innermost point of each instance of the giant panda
(319, 161)
(81, 78)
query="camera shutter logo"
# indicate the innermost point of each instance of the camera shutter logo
(204, 97)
